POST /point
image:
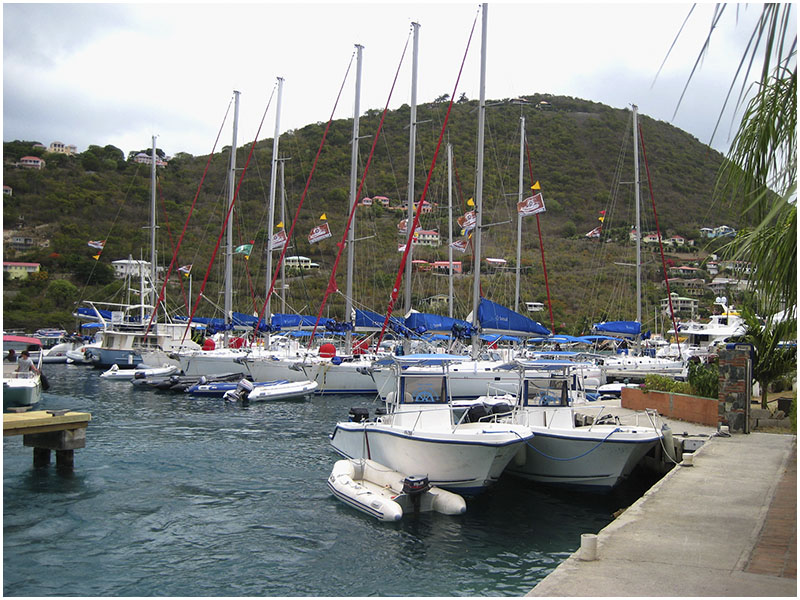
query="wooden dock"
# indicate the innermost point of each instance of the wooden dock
(44, 430)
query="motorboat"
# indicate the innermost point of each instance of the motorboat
(139, 372)
(415, 433)
(587, 448)
(386, 494)
(21, 388)
(246, 390)
(181, 383)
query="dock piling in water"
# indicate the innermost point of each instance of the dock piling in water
(61, 430)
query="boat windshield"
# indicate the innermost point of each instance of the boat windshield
(423, 390)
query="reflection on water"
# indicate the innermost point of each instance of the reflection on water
(176, 496)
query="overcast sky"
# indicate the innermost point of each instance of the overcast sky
(120, 73)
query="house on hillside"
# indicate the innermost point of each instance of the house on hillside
(7, 191)
(680, 305)
(31, 162)
(62, 148)
(20, 270)
(144, 158)
(426, 237)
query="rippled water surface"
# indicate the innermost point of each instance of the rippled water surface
(177, 496)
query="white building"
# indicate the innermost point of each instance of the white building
(132, 268)
(299, 262)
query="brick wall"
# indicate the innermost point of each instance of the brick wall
(693, 409)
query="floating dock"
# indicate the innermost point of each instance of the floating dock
(63, 431)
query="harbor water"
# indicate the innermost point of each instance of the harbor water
(178, 496)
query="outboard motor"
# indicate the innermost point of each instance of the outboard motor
(242, 391)
(359, 414)
(380, 411)
(413, 487)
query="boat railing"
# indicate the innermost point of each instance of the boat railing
(647, 418)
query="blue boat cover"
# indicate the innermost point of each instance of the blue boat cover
(426, 322)
(368, 320)
(623, 328)
(495, 318)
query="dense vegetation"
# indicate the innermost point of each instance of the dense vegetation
(580, 151)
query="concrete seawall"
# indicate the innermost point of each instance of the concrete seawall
(703, 530)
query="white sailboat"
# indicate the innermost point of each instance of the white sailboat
(636, 365)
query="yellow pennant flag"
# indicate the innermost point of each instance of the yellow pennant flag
(279, 225)
(96, 257)
(536, 186)
(322, 217)
(470, 202)
(600, 219)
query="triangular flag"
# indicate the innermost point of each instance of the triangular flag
(322, 217)
(536, 186)
(96, 257)
(279, 224)
(470, 202)
(601, 219)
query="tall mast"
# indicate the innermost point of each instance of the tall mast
(229, 232)
(348, 307)
(638, 217)
(283, 220)
(519, 216)
(476, 236)
(271, 214)
(412, 146)
(152, 293)
(450, 229)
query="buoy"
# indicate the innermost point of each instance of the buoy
(327, 351)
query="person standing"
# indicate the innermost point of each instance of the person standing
(25, 364)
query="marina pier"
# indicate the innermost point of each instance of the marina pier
(725, 526)
(44, 430)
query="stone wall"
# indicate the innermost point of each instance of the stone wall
(735, 387)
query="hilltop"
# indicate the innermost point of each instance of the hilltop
(579, 152)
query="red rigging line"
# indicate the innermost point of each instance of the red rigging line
(185, 225)
(660, 244)
(541, 246)
(302, 199)
(227, 217)
(399, 279)
(171, 242)
(332, 281)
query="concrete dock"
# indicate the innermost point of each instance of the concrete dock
(725, 526)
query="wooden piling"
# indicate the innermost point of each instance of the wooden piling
(63, 431)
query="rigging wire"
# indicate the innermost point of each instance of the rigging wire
(332, 280)
(227, 216)
(185, 225)
(303, 197)
(396, 288)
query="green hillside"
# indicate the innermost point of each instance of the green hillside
(580, 153)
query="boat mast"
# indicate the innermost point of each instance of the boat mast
(450, 229)
(283, 221)
(519, 216)
(229, 232)
(271, 213)
(412, 146)
(348, 298)
(152, 291)
(476, 236)
(638, 216)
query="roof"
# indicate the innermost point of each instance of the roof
(20, 264)
(32, 158)
(21, 339)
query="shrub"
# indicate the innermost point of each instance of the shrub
(660, 383)
(704, 379)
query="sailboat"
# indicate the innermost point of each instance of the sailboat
(126, 340)
(636, 365)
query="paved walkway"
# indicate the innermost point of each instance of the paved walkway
(723, 527)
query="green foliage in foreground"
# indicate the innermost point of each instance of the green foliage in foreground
(703, 381)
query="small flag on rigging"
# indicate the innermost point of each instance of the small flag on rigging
(319, 233)
(533, 205)
(185, 269)
(97, 245)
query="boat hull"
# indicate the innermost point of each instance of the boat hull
(467, 459)
(597, 457)
(21, 391)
